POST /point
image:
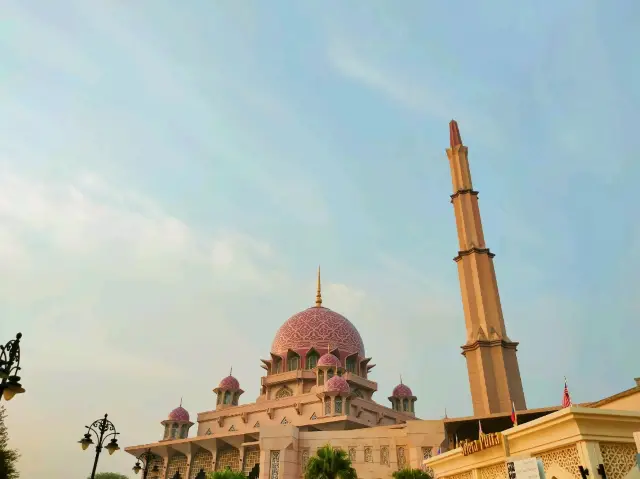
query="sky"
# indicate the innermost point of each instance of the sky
(172, 174)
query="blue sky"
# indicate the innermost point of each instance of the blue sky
(172, 175)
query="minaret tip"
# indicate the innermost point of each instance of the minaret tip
(454, 134)
(180, 401)
(401, 379)
(319, 291)
(231, 371)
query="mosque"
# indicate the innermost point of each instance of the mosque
(317, 389)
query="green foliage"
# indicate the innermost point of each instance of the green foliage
(109, 475)
(8, 457)
(226, 474)
(330, 463)
(411, 474)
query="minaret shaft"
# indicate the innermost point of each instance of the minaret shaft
(494, 375)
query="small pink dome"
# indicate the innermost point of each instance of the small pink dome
(230, 383)
(402, 391)
(179, 414)
(329, 359)
(337, 384)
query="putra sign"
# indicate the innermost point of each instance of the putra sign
(486, 441)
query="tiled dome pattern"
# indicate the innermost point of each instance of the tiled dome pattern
(319, 328)
(402, 391)
(229, 383)
(337, 384)
(329, 359)
(179, 414)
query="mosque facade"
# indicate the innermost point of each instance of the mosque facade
(317, 388)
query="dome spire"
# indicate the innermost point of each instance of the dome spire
(318, 291)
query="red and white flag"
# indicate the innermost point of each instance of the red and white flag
(514, 416)
(566, 398)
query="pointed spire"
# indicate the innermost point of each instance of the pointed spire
(180, 401)
(318, 292)
(401, 379)
(231, 371)
(454, 134)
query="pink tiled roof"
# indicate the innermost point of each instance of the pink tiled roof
(230, 383)
(337, 384)
(402, 391)
(329, 359)
(319, 328)
(179, 414)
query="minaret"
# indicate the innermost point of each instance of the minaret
(494, 375)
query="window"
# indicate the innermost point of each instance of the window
(227, 397)
(347, 407)
(329, 373)
(338, 405)
(236, 396)
(412, 406)
(184, 430)
(312, 360)
(174, 431)
(167, 431)
(320, 378)
(351, 365)
(405, 404)
(284, 392)
(276, 366)
(327, 407)
(294, 363)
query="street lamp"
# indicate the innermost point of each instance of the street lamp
(103, 429)
(147, 457)
(9, 367)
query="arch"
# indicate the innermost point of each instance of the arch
(405, 404)
(293, 361)
(311, 359)
(412, 406)
(174, 430)
(338, 405)
(227, 397)
(167, 431)
(184, 431)
(320, 377)
(284, 392)
(329, 373)
(276, 367)
(236, 397)
(351, 364)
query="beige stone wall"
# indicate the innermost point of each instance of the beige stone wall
(627, 403)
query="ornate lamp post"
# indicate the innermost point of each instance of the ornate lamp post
(9, 367)
(147, 457)
(103, 429)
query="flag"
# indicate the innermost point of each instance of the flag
(514, 416)
(566, 398)
(480, 433)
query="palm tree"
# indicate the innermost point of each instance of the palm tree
(330, 463)
(407, 473)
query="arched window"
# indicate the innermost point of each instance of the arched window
(167, 431)
(327, 406)
(227, 397)
(329, 373)
(412, 406)
(276, 366)
(312, 359)
(320, 378)
(351, 365)
(236, 396)
(284, 392)
(174, 430)
(338, 405)
(184, 430)
(294, 363)
(405, 404)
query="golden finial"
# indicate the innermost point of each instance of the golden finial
(318, 292)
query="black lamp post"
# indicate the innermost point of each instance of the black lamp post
(103, 429)
(147, 457)
(9, 367)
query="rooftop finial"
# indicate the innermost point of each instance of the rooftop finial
(180, 401)
(231, 371)
(454, 134)
(401, 379)
(318, 292)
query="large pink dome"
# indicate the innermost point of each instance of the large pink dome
(319, 328)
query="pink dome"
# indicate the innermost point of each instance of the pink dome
(337, 384)
(329, 359)
(402, 391)
(230, 383)
(318, 328)
(179, 414)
